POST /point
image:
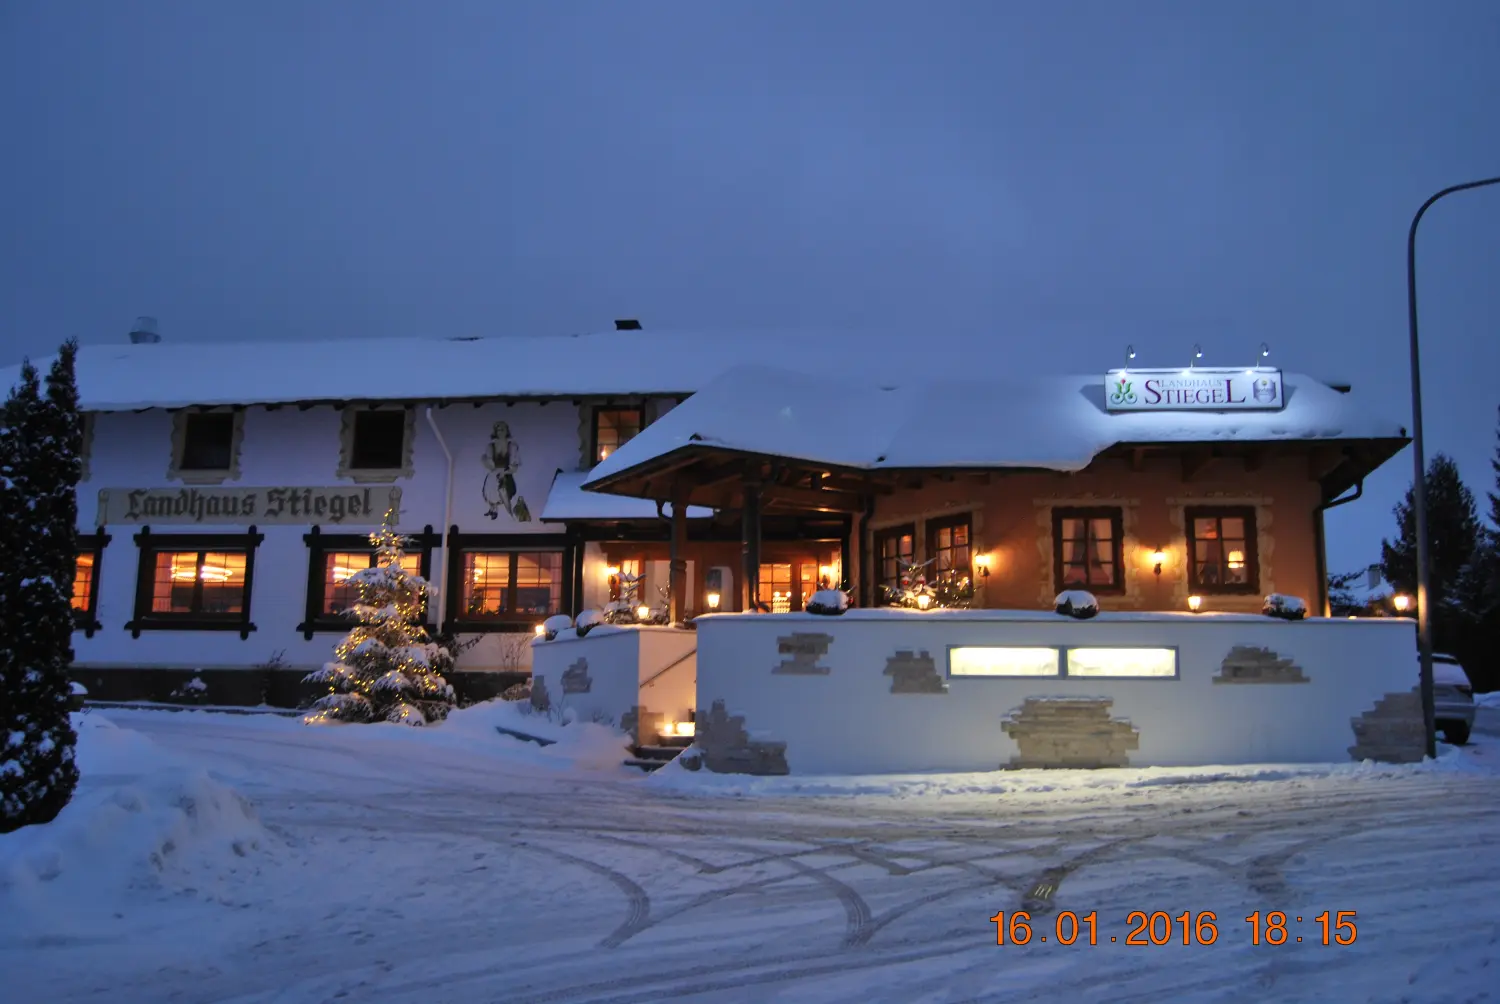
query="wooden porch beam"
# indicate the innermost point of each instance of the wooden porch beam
(817, 501)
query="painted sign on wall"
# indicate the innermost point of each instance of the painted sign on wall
(342, 504)
(1194, 390)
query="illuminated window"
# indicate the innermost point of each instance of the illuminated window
(1000, 661)
(775, 589)
(1152, 662)
(86, 567)
(83, 582)
(332, 558)
(209, 583)
(948, 545)
(498, 584)
(894, 549)
(1221, 541)
(613, 428)
(1086, 546)
(339, 593)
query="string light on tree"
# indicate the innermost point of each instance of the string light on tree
(386, 669)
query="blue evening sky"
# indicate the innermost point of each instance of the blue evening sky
(1066, 176)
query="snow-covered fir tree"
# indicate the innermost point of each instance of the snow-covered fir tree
(41, 442)
(386, 669)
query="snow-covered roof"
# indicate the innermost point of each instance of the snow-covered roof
(167, 374)
(568, 501)
(1057, 423)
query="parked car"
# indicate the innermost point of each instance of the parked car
(1452, 699)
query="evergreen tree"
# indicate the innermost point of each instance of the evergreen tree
(386, 669)
(41, 441)
(1341, 599)
(1488, 563)
(1454, 535)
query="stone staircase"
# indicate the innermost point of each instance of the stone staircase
(652, 756)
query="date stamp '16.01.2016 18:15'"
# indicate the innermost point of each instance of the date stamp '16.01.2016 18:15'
(1186, 928)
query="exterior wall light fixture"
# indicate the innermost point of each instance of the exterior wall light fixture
(713, 601)
(982, 565)
(1158, 558)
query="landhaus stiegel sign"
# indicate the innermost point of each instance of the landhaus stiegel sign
(1194, 390)
(343, 504)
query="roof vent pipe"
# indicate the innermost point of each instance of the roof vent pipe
(144, 332)
(627, 324)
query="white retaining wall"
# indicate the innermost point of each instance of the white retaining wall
(622, 671)
(847, 720)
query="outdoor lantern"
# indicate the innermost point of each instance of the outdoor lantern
(612, 571)
(643, 612)
(713, 601)
(1402, 602)
(541, 629)
(1158, 558)
(1195, 603)
(982, 562)
(924, 600)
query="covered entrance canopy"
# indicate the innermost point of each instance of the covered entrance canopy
(763, 440)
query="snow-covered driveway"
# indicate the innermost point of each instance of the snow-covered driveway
(408, 870)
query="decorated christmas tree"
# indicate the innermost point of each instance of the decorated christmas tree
(386, 669)
(950, 588)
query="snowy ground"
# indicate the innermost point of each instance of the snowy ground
(253, 859)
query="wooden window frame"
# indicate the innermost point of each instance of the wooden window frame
(879, 538)
(1251, 585)
(964, 519)
(314, 619)
(150, 544)
(1116, 517)
(86, 619)
(183, 418)
(459, 543)
(640, 411)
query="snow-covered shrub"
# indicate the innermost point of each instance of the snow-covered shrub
(518, 692)
(1288, 608)
(587, 621)
(384, 669)
(41, 440)
(194, 691)
(829, 602)
(1079, 603)
(552, 625)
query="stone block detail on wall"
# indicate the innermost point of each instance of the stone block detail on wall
(728, 749)
(540, 699)
(1393, 731)
(805, 649)
(1251, 664)
(1070, 732)
(642, 726)
(914, 674)
(576, 679)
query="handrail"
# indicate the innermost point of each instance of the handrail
(670, 666)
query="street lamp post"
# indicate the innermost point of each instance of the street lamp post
(1419, 462)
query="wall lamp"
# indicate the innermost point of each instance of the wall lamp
(982, 565)
(1158, 558)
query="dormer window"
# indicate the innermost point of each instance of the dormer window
(613, 428)
(376, 444)
(207, 441)
(206, 446)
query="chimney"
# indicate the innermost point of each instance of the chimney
(144, 332)
(627, 324)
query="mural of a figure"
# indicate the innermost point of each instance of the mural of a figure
(502, 458)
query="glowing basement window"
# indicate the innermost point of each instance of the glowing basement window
(992, 661)
(1122, 662)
